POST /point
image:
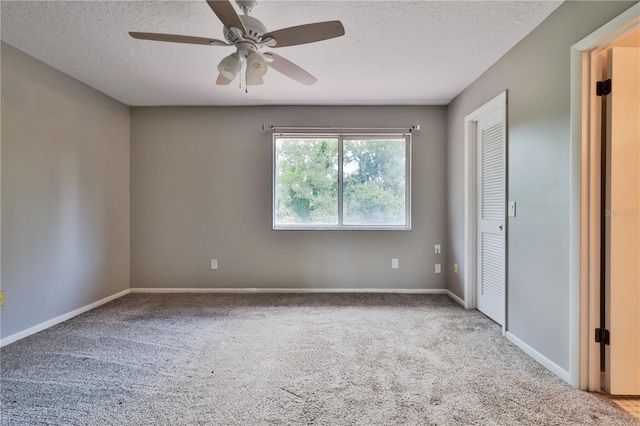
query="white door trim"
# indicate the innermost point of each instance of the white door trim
(584, 293)
(470, 209)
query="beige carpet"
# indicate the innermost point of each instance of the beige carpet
(318, 359)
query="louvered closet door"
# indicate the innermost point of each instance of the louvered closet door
(490, 236)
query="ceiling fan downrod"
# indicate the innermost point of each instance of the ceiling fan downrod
(246, 6)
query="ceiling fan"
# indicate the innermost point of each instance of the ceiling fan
(249, 36)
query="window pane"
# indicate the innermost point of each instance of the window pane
(306, 189)
(374, 182)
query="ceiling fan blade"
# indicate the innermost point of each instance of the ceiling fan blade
(227, 14)
(222, 80)
(288, 68)
(178, 38)
(303, 34)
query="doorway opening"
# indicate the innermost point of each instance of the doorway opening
(594, 189)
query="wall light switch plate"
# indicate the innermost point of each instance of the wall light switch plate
(438, 249)
(512, 209)
(214, 263)
(394, 263)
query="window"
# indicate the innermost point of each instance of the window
(347, 181)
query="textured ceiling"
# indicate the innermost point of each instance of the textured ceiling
(394, 52)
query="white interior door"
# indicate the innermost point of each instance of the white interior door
(490, 230)
(622, 241)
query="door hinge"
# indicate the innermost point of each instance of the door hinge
(603, 88)
(602, 336)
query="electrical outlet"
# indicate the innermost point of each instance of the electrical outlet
(214, 263)
(438, 249)
(2, 298)
(394, 263)
(455, 268)
(438, 268)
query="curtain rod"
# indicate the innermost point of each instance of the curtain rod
(273, 128)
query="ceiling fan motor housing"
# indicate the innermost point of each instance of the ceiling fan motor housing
(255, 31)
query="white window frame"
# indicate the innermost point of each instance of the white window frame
(341, 138)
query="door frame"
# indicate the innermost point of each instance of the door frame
(471, 203)
(585, 178)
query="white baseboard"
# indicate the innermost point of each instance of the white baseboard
(294, 290)
(546, 362)
(57, 320)
(456, 298)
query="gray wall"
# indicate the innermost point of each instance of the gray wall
(201, 189)
(536, 74)
(65, 193)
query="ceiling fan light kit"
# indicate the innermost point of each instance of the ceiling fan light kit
(248, 35)
(253, 80)
(230, 66)
(256, 68)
